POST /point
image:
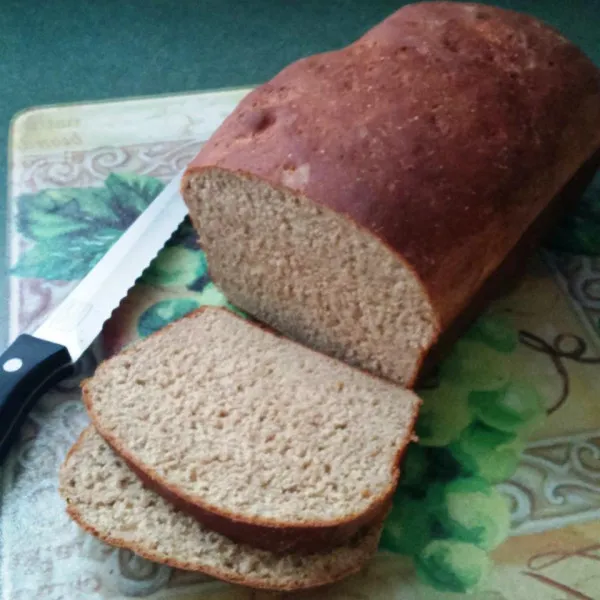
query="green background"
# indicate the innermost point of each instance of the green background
(72, 51)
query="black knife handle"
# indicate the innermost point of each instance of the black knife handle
(28, 368)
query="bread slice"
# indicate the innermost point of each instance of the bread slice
(361, 198)
(105, 498)
(261, 439)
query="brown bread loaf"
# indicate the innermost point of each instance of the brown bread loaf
(362, 198)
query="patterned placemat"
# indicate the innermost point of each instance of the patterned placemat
(501, 496)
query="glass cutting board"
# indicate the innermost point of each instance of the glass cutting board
(80, 173)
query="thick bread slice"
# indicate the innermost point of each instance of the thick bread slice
(261, 439)
(361, 198)
(109, 501)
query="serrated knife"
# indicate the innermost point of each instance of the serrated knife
(34, 363)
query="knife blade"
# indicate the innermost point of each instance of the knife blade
(32, 364)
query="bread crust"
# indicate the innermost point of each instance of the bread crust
(264, 533)
(514, 265)
(224, 575)
(444, 132)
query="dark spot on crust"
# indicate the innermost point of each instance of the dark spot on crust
(258, 120)
(450, 43)
(433, 120)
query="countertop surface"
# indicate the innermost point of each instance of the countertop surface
(71, 51)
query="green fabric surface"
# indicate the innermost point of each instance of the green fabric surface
(72, 51)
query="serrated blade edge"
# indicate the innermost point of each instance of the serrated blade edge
(77, 321)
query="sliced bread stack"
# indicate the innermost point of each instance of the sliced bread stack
(217, 446)
(107, 499)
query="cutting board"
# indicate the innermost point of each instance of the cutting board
(68, 168)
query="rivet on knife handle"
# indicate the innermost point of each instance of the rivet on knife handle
(28, 368)
(35, 362)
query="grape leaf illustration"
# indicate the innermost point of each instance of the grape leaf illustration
(70, 229)
(132, 192)
(176, 266)
(67, 259)
(181, 263)
(164, 312)
(185, 236)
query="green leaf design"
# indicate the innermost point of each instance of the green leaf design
(72, 228)
(487, 452)
(56, 213)
(442, 467)
(414, 466)
(471, 510)
(514, 407)
(185, 236)
(162, 313)
(176, 266)
(132, 193)
(475, 365)
(445, 413)
(69, 260)
(500, 465)
(407, 530)
(213, 296)
(450, 565)
(496, 332)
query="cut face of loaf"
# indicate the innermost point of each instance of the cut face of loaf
(259, 438)
(361, 198)
(105, 498)
(312, 274)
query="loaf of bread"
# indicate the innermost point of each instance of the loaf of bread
(258, 438)
(362, 198)
(109, 501)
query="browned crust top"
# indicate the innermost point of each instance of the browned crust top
(444, 131)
